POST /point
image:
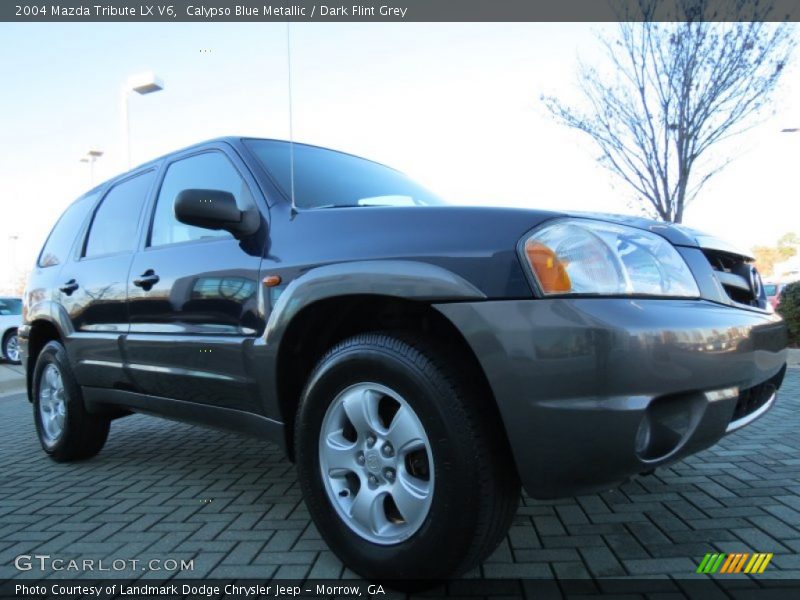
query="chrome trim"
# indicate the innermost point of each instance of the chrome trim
(102, 363)
(723, 394)
(746, 420)
(180, 371)
(708, 242)
(158, 369)
(734, 280)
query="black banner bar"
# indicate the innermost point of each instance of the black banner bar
(397, 10)
(276, 589)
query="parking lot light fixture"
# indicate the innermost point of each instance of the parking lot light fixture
(145, 83)
(90, 158)
(142, 84)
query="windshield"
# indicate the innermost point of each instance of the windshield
(10, 306)
(770, 289)
(326, 178)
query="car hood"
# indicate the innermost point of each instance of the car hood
(500, 223)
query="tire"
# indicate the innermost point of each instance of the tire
(472, 490)
(11, 347)
(66, 431)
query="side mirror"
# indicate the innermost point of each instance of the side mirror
(215, 209)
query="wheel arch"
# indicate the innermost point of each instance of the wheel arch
(323, 297)
(327, 321)
(8, 331)
(40, 331)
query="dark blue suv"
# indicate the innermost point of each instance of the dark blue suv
(417, 361)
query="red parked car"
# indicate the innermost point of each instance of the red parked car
(773, 292)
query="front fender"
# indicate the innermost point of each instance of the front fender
(397, 278)
(404, 279)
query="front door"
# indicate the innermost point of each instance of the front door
(193, 295)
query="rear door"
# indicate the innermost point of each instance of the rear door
(194, 292)
(92, 286)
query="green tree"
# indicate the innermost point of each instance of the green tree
(788, 245)
(789, 309)
(766, 257)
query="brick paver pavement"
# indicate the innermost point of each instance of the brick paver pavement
(167, 490)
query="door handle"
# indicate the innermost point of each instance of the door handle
(69, 287)
(147, 280)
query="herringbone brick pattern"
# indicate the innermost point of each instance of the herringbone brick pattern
(167, 490)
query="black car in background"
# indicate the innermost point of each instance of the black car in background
(417, 361)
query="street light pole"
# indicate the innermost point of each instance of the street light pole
(142, 84)
(126, 127)
(91, 157)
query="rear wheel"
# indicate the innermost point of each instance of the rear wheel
(66, 430)
(11, 347)
(404, 468)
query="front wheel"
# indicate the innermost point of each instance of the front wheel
(66, 430)
(405, 471)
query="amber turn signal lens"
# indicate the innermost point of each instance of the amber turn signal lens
(550, 272)
(271, 280)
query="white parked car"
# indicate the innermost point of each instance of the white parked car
(10, 320)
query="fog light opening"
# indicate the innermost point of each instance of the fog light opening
(666, 424)
(643, 435)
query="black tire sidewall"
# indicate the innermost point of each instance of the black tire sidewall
(448, 522)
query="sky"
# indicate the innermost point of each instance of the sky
(456, 106)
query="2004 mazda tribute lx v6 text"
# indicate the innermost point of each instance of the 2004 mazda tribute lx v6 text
(417, 361)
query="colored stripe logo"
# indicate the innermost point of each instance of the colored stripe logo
(741, 562)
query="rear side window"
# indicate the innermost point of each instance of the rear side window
(60, 240)
(116, 221)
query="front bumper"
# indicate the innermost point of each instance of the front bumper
(593, 391)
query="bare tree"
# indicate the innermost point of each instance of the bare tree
(673, 91)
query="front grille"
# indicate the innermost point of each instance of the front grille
(735, 274)
(751, 399)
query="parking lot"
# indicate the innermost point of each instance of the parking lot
(166, 490)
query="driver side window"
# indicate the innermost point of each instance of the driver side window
(207, 171)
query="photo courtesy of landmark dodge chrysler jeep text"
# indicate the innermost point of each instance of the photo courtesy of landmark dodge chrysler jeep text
(418, 362)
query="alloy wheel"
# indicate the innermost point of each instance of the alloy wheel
(12, 348)
(52, 403)
(376, 463)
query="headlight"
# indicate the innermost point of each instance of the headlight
(581, 256)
